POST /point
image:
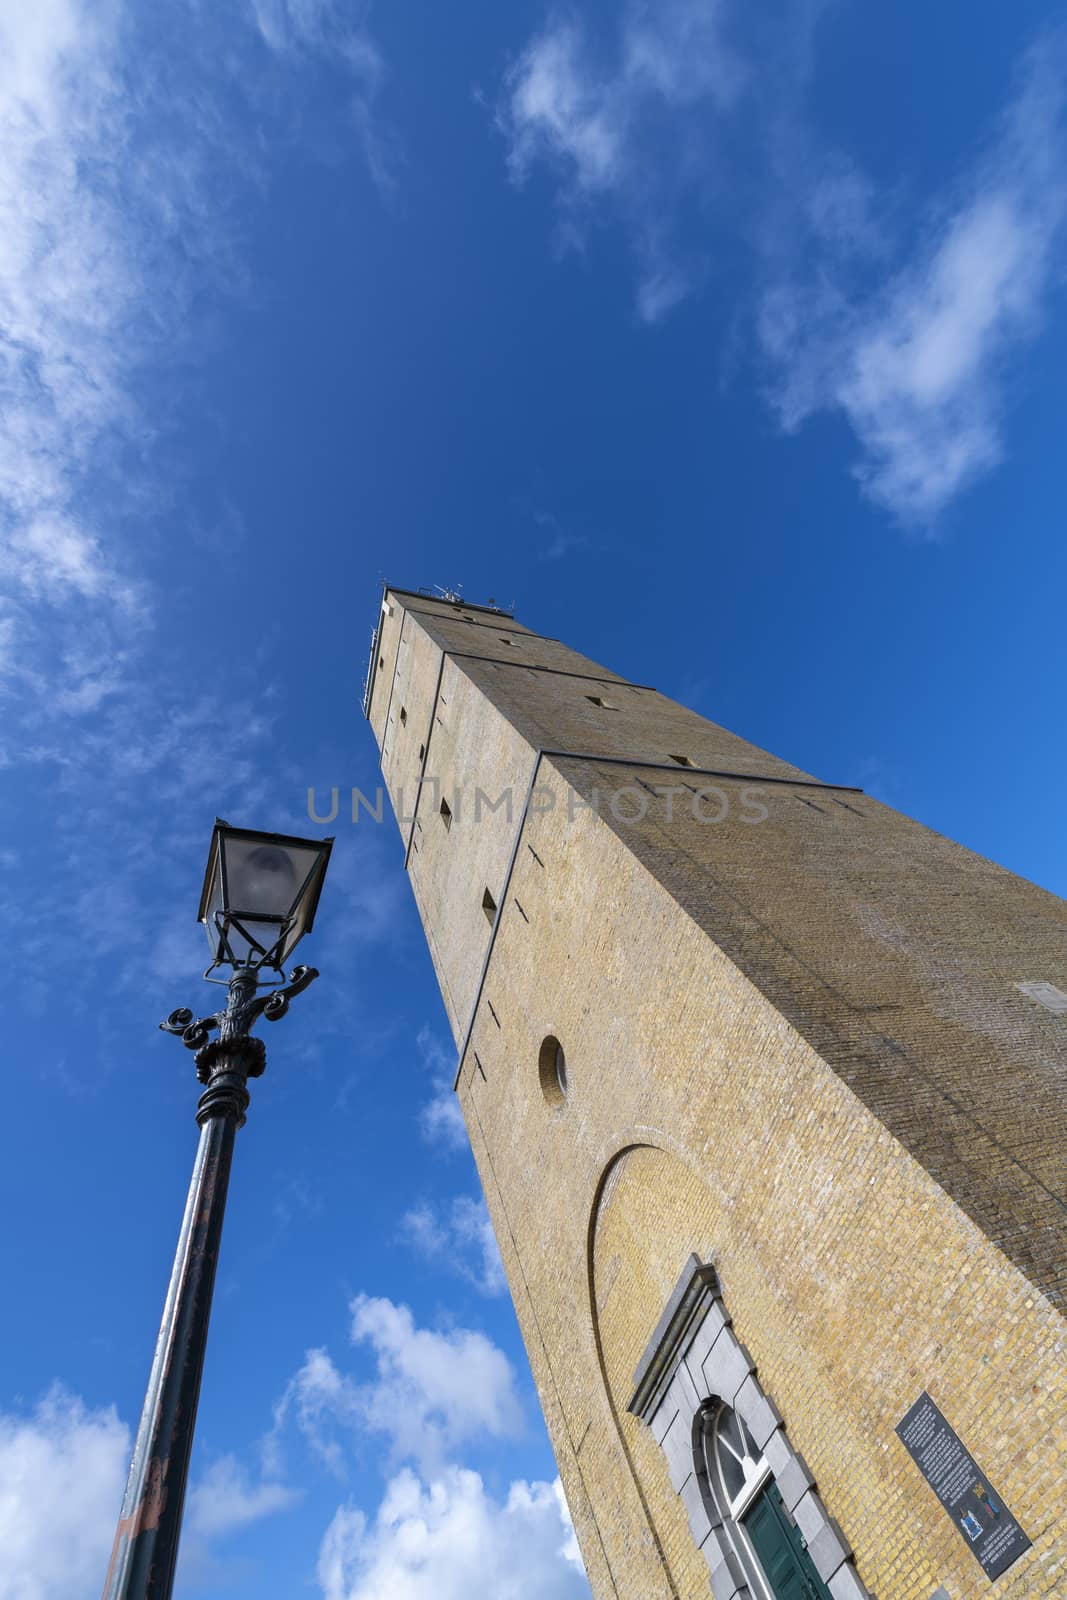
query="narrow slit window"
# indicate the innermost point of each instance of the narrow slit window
(489, 907)
(552, 1071)
(422, 752)
(684, 761)
(446, 813)
(605, 705)
(403, 717)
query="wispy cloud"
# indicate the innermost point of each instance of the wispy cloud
(918, 366)
(608, 127)
(117, 859)
(558, 541)
(440, 1118)
(102, 197)
(222, 1502)
(72, 324)
(226, 1497)
(114, 210)
(694, 135)
(320, 1398)
(448, 1538)
(338, 34)
(458, 1237)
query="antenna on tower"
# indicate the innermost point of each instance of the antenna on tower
(454, 595)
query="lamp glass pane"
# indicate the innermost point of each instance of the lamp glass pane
(263, 878)
(306, 906)
(214, 903)
(240, 934)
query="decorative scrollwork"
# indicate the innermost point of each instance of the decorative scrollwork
(234, 1023)
(198, 1033)
(277, 1004)
(192, 1033)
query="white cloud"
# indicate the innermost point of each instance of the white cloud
(559, 108)
(601, 128)
(447, 1539)
(224, 1501)
(440, 1118)
(62, 1471)
(918, 368)
(432, 1391)
(226, 1498)
(52, 559)
(460, 1238)
(321, 1398)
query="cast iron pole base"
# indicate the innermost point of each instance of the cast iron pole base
(146, 1541)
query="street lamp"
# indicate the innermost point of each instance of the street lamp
(259, 899)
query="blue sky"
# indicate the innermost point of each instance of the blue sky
(730, 349)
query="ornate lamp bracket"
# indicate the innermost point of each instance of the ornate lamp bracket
(235, 1045)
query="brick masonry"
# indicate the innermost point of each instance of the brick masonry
(795, 1047)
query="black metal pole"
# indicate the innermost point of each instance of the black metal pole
(145, 1551)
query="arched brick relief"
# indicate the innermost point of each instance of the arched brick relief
(639, 1228)
(640, 1234)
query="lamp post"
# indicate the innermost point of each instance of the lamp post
(259, 899)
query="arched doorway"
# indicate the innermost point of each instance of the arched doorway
(742, 1491)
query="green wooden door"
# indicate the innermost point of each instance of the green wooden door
(780, 1547)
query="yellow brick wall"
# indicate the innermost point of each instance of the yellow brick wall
(806, 1036)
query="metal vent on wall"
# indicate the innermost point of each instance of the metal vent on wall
(1047, 995)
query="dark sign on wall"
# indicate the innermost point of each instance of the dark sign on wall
(978, 1513)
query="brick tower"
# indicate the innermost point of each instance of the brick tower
(764, 1082)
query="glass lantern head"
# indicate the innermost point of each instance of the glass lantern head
(260, 894)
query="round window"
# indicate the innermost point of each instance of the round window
(552, 1071)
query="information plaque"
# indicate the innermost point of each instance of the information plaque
(978, 1513)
